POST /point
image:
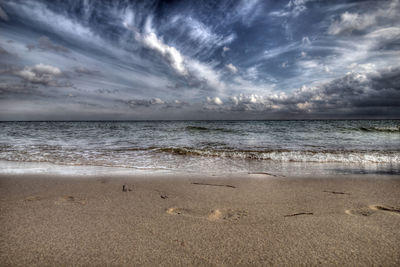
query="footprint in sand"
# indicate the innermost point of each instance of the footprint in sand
(226, 214)
(214, 215)
(70, 199)
(360, 212)
(368, 211)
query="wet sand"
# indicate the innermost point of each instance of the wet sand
(244, 220)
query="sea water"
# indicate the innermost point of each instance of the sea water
(328, 147)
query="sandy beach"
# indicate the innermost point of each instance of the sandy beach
(189, 220)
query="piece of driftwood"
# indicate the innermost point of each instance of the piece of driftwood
(336, 192)
(387, 209)
(300, 213)
(226, 185)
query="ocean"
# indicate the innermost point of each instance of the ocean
(295, 148)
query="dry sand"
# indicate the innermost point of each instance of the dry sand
(252, 220)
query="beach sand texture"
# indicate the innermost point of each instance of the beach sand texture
(172, 221)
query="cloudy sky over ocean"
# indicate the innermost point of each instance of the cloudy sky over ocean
(69, 60)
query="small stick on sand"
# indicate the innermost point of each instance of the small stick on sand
(300, 213)
(387, 209)
(336, 192)
(226, 185)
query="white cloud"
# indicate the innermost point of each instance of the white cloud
(280, 13)
(231, 68)
(349, 22)
(191, 68)
(272, 53)
(215, 100)
(170, 53)
(150, 40)
(204, 72)
(305, 106)
(203, 34)
(40, 73)
(363, 68)
(128, 18)
(199, 31)
(46, 69)
(58, 23)
(297, 7)
(156, 101)
(384, 37)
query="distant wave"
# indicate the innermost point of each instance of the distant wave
(292, 156)
(206, 129)
(197, 128)
(380, 129)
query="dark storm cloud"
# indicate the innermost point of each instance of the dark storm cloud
(134, 103)
(352, 94)
(200, 59)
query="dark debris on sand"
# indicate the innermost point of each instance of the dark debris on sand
(300, 213)
(226, 185)
(125, 188)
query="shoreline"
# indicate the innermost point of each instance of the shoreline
(199, 220)
(278, 169)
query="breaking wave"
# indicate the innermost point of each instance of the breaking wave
(292, 156)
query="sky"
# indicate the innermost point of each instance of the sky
(250, 59)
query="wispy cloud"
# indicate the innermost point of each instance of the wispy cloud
(242, 57)
(150, 40)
